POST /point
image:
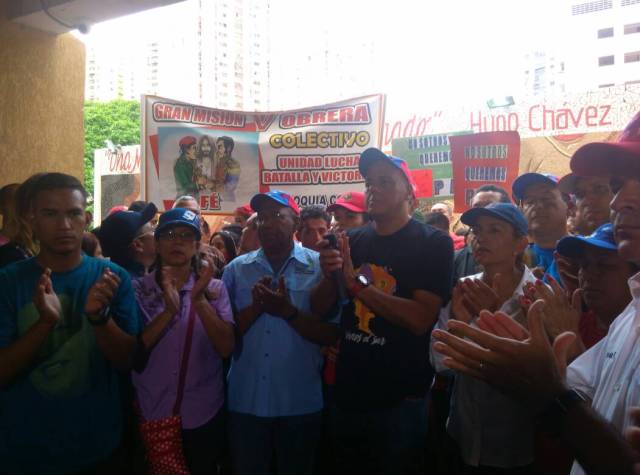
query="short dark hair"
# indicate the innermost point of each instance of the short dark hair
(138, 205)
(227, 141)
(235, 230)
(504, 196)
(437, 220)
(55, 181)
(314, 212)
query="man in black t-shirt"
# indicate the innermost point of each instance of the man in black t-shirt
(398, 274)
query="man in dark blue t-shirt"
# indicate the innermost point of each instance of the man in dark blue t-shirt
(397, 273)
(67, 321)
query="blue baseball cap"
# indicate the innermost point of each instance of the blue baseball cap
(119, 229)
(523, 182)
(573, 246)
(278, 196)
(373, 155)
(178, 217)
(504, 211)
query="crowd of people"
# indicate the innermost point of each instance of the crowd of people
(349, 339)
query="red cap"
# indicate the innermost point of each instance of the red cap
(115, 209)
(187, 141)
(352, 200)
(245, 210)
(610, 158)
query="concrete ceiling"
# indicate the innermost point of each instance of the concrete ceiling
(75, 13)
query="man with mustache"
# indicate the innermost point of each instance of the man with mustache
(592, 195)
(546, 211)
(590, 408)
(275, 389)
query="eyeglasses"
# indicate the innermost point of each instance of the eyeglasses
(184, 236)
(268, 216)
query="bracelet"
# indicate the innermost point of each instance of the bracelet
(293, 316)
(100, 319)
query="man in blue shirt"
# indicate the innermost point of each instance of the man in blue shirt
(66, 322)
(546, 211)
(275, 387)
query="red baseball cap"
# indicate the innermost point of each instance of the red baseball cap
(245, 210)
(373, 155)
(610, 158)
(187, 141)
(352, 200)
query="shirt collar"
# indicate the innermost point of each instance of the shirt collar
(634, 286)
(298, 253)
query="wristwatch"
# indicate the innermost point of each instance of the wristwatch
(101, 318)
(553, 415)
(361, 283)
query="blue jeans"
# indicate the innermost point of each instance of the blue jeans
(294, 440)
(382, 441)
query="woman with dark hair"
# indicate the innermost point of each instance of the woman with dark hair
(91, 245)
(188, 330)
(22, 243)
(224, 242)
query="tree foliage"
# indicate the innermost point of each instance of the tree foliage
(118, 121)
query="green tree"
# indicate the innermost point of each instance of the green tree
(118, 121)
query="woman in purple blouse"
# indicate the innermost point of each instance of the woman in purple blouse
(182, 289)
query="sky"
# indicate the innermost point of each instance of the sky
(425, 52)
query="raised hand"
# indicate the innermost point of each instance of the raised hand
(102, 292)
(46, 300)
(330, 259)
(200, 288)
(275, 302)
(170, 291)
(459, 310)
(479, 296)
(532, 369)
(568, 271)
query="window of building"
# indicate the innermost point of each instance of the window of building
(633, 57)
(606, 85)
(626, 3)
(605, 60)
(605, 33)
(637, 81)
(589, 7)
(632, 28)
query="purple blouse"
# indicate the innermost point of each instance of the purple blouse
(157, 385)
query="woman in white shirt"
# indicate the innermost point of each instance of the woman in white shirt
(494, 433)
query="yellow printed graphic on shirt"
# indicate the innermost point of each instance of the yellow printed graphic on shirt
(381, 280)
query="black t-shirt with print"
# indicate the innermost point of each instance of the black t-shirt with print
(381, 363)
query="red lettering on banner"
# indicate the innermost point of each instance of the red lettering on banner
(171, 112)
(122, 161)
(606, 109)
(211, 202)
(356, 114)
(591, 113)
(531, 127)
(318, 117)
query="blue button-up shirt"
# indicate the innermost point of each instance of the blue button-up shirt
(274, 372)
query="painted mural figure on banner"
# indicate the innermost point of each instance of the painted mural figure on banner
(184, 170)
(228, 168)
(205, 163)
